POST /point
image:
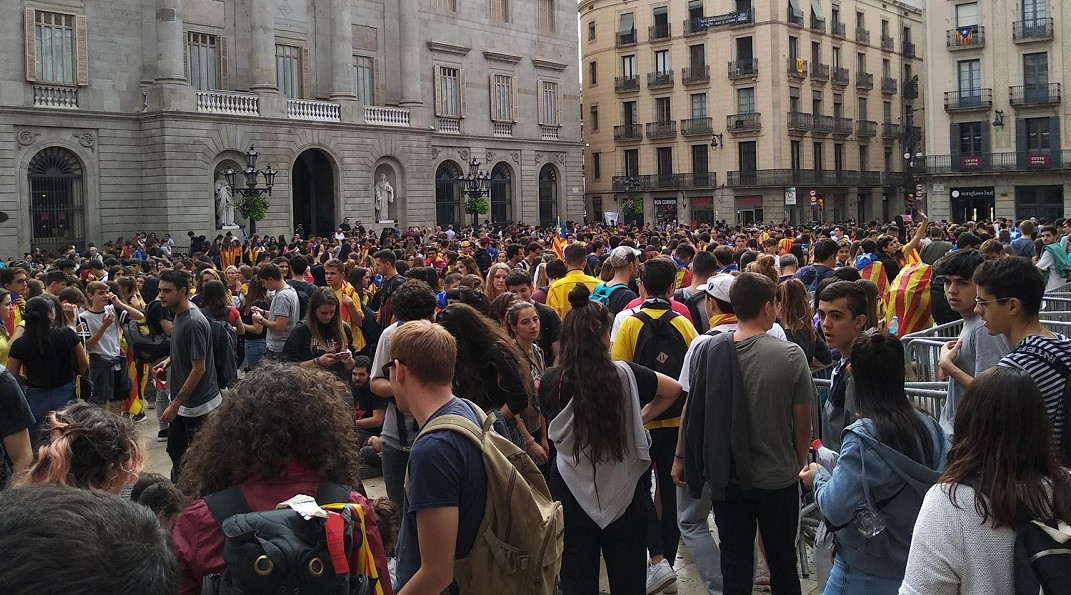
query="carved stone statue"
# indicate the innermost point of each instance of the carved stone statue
(384, 195)
(224, 203)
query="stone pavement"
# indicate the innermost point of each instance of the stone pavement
(156, 460)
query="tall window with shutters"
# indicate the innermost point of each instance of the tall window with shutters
(288, 70)
(55, 47)
(499, 10)
(449, 98)
(502, 98)
(202, 61)
(365, 75)
(545, 16)
(549, 104)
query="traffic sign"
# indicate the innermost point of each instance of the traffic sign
(813, 193)
(918, 187)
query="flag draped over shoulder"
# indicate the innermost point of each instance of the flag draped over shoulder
(871, 269)
(559, 240)
(908, 298)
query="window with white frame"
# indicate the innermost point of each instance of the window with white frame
(502, 97)
(545, 15)
(288, 70)
(365, 71)
(202, 61)
(448, 100)
(548, 112)
(499, 10)
(699, 105)
(54, 44)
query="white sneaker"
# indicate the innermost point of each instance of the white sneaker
(660, 576)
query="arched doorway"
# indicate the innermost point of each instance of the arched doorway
(313, 193)
(57, 200)
(448, 194)
(548, 195)
(501, 194)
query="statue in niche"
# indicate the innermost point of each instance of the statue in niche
(224, 203)
(384, 196)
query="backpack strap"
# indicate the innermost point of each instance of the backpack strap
(330, 492)
(226, 503)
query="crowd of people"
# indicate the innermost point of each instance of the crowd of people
(651, 375)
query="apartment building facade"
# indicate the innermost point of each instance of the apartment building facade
(995, 119)
(734, 110)
(118, 116)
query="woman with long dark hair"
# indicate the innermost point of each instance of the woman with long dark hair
(255, 334)
(1002, 468)
(321, 340)
(889, 457)
(216, 304)
(796, 316)
(493, 373)
(593, 407)
(46, 359)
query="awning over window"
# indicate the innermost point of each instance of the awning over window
(660, 10)
(693, 4)
(816, 9)
(794, 6)
(628, 25)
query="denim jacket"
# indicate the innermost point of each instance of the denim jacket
(890, 475)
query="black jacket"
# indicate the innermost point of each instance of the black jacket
(716, 437)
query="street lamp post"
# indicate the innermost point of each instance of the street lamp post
(475, 185)
(252, 191)
(913, 162)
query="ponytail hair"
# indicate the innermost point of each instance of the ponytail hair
(38, 314)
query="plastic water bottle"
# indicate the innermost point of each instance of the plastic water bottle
(894, 325)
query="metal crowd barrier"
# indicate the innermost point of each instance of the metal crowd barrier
(1056, 306)
(927, 396)
(1062, 326)
(922, 350)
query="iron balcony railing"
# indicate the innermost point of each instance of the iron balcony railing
(624, 84)
(864, 80)
(750, 122)
(840, 76)
(862, 36)
(743, 68)
(820, 73)
(699, 180)
(838, 29)
(887, 43)
(660, 80)
(665, 181)
(888, 85)
(626, 38)
(1034, 95)
(694, 75)
(911, 89)
(866, 129)
(800, 122)
(692, 27)
(662, 129)
(890, 130)
(659, 31)
(818, 24)
(823, 124)
(966, 38)
(795, 18)
(628, 132)
(804, 177)
(697, 126)
(908, 48)
(1032, 30)
(1016, 161)
(842, 126)
(972, 100)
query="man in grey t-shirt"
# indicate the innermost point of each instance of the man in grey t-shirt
(285, 309)
(193, 375)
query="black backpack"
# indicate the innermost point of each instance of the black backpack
(304, 291)
(224, 353)
(1042, 563)
(280, 551)
(697, 305)
(146, 345)
(659, 345)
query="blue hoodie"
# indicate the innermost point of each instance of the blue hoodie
(887, 473)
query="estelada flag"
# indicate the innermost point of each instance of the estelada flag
(908, 299)
(964, 35)
(871, 269)
(559, 240)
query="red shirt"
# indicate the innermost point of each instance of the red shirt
(677, 307)
(198, 542)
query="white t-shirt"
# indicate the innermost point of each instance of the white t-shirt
(108, 345)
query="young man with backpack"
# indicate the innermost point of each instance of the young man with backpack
(825, 258)
(704, 265)
(194, 393)
(656, 337)
(285, 311)
(615, 294)
(381, 301)
(298, 266)
(1010, 291)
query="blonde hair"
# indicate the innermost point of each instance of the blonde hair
(429, 349)
(764, 265)
(489, 285)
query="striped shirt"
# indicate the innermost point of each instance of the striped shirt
(1048, 362)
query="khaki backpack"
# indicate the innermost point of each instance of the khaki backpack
(518, 548)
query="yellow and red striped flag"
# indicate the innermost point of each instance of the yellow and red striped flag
(908, 299)
(559, 240)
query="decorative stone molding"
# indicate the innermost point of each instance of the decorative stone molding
(492, 56)
(488, 156)
(549, 64)
(86, 140)
(25, 138)
(448, 48)
(561, 158)
(434, 153)
(539, 157)
(463, 154)
(515, 156)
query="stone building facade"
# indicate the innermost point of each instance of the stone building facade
(740, 110)
(995, 115)
(122, 113)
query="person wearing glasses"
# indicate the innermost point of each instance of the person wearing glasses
(1010, 291)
